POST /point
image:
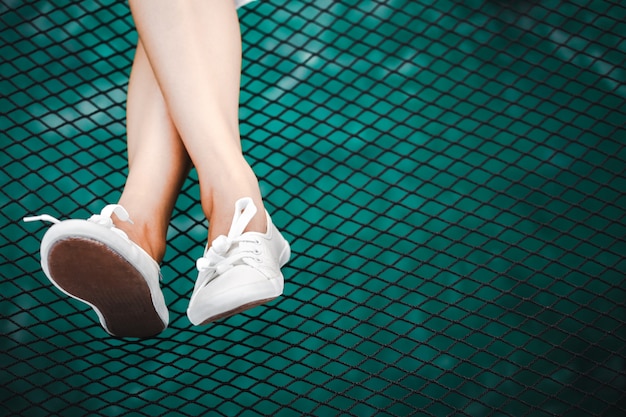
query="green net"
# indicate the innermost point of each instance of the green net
(450, 175)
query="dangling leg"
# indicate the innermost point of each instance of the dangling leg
(157, 159)
(195, 50)
(94, 263)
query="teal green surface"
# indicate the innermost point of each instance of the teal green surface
(451, 176)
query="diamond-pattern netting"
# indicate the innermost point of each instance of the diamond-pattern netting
(451, 176)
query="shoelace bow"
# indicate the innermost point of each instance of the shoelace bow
(102, 219)
(226, 251)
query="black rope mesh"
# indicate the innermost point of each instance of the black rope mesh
(451, 176)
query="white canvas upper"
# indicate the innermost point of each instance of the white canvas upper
(239, 270)
(100, 228)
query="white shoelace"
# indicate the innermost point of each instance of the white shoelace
(227, 251)
(102, 219)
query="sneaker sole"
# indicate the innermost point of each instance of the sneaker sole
(237, 310)
(93, 273)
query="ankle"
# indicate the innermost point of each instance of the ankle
(220, 195)
(223, 208)
(142, 235)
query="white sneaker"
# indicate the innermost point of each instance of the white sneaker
(239, 271)
(96, 263)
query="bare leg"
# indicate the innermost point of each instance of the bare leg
(194, 48)
(158, 161)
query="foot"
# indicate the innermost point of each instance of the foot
(96, 263)
(239, 271)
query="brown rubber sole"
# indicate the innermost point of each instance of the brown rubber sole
(91, 271)
(237, 310)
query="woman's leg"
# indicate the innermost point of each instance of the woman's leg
(194, 48)
(89, 260)
(158, 161)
